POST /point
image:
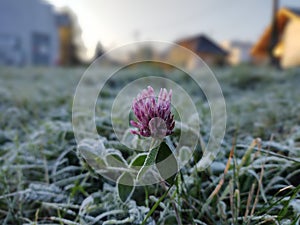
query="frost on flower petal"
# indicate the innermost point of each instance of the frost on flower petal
(153, 114)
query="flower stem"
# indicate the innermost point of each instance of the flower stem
(156, 205)
(150, 159)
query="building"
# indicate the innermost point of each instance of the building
(287, 48)
(208, 50)
(238, 51)
(28, 33)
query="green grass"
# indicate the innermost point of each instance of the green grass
(43, 180)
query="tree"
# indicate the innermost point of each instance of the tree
(99, 50)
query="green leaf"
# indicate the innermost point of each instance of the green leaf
(125, 186)
(125, 191)
(138, 160)
(91, 157)
(116, 160)
(149, 161)
(166, 163)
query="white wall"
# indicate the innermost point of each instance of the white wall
(22, 18)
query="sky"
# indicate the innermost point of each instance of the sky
(118, 22)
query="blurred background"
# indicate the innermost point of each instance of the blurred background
(67, 33)
(253, 50)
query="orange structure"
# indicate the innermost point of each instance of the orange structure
(287, 47)
(65, 38)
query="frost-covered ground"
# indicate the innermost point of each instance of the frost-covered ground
(43, 180)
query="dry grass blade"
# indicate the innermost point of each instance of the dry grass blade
(258, 143)
(250, 196)
(221, 182)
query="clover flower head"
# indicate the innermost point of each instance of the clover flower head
(154, 117)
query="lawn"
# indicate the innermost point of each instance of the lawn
(255, 178)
